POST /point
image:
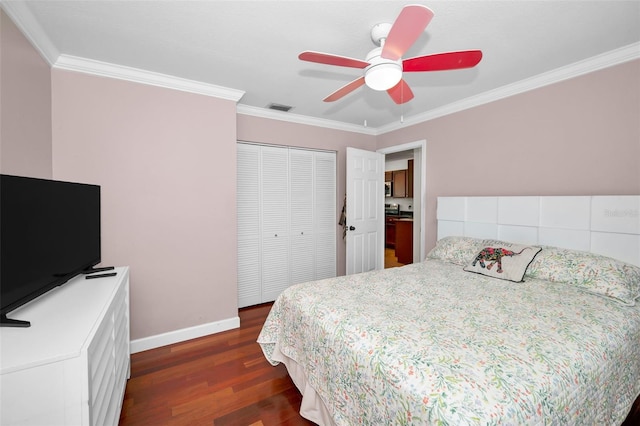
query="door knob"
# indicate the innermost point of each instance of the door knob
(352, 228)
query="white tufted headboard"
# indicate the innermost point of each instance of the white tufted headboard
(606, 225)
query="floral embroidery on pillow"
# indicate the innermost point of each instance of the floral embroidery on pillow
(494, 255)
(510, 260)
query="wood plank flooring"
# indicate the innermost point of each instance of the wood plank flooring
(222, 379)
(390, 259)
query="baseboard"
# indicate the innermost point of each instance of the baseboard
(184, 334)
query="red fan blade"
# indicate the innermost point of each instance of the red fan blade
(405, 30)
(345, 90)
(401, 93)
(443, 61)
(326, 58)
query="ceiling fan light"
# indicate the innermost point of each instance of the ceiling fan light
(383, 76)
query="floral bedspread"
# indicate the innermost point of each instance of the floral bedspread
(431, 344)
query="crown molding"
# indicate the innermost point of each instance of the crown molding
(605, 60)
(104, 69)
(303, 119)
(22, 17)
(20, 14)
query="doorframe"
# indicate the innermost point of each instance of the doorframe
(422, 145)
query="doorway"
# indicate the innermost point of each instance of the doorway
(406, 208)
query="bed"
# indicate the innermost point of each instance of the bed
(550, 339)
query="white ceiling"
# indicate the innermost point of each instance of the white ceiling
(253, 47)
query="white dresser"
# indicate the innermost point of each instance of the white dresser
(71, 366)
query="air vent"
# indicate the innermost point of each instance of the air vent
(279, 107)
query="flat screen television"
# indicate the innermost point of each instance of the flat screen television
(49, 233)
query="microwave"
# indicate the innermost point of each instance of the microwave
(388, 189)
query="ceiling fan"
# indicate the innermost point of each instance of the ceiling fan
(383, 66)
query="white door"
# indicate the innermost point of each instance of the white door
(286, 201)
(249, 225)
(302, 215)
(365, 211)
(275, 221)
(313, 212)
(325, 214)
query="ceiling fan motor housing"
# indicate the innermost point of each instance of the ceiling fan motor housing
(382, 74)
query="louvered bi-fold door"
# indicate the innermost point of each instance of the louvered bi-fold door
(325, 219)
(302, 216)
(286, 219)
(274, 194)
(248, 216)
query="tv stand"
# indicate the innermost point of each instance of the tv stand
(8, 322)
(71, 366)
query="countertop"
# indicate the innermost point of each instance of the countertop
(401, 215)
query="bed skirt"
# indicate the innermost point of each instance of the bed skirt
(312, 407)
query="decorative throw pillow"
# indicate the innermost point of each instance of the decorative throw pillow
(455, 249)
(591, 272)
(504, 260)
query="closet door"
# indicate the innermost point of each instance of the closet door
(325, 218)
(301, 164)
(287, 221)
(274, 193)
(249, 225)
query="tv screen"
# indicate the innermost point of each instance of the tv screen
(49, 233)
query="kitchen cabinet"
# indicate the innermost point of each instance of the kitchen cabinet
(402, 181)
(410, 179)
(390, 232)
(404, 240)
(399, 183)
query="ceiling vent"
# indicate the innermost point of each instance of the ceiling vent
(279, 107)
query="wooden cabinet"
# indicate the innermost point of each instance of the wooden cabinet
(390, 232)
(399, 183)
(71, 366)
(410, 179)
(402, 181)
(404, 240)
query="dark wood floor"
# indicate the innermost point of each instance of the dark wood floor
(222, 379)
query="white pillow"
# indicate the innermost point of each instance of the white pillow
(501, 259)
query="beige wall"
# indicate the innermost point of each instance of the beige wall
(166, 162)
(25, 105)
(579, 136)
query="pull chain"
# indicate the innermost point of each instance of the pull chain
(402, 104)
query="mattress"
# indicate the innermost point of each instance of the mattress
(429, 343)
